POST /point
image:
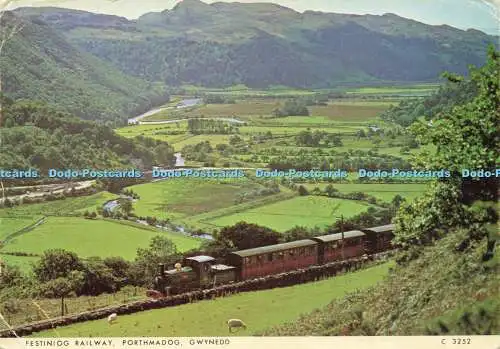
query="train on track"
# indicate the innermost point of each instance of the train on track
(202, 272)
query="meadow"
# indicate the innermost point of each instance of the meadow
(177, 198)
(67, 206)
(307, 211)
(259, 310)
(11, 225)
(89, 238)
(385, 192)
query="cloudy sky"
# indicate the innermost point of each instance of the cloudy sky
(479, 14)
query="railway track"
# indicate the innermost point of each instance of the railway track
(300, 276)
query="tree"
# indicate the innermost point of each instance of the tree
(56, 263)
(97, 278)
(245, 235)
(296, 233)
(160, 250)
(397, 201)
(10, 276)
(125, 206)
(58, 288)
(303, 190)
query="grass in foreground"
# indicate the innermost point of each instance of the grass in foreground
(307, 211)
(208, 318)
(90, 238)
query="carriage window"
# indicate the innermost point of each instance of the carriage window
(281, 255)
(270, 257)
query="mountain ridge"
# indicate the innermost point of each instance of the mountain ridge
(263, 44)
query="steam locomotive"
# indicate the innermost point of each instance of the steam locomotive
(202, 272)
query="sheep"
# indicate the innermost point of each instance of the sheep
(235, 323)
(112, 318)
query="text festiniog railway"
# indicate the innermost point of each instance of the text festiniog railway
(201, 272)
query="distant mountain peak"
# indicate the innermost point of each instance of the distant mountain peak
(193, 4)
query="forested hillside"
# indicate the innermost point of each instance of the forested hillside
(445, 98)
(263, 44)
(38, 63)
(38, 136)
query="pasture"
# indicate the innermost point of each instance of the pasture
(385, 192)
(259, 310)
(11, 225)
(89, 238)
(307, 211)
(67, 206)
(22, 262)
(181, 197)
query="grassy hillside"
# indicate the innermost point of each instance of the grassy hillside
(208, 318)
(442, 285)
(54, 71)
(262, 45)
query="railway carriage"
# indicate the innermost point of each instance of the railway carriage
(274, 259)
(336, 247)
(378, 239)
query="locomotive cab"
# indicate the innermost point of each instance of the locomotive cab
(195, 272)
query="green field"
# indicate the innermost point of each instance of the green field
(307, 211)
(64, 207)
(23, 262)
(11, 225)
(417, 89)
(177, 198)
(90, 238)
(384, 192)
(259, 310)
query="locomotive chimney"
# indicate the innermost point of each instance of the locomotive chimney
(161, 269)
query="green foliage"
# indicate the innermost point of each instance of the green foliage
(198, 126)
(293, 107)
(430, 216)
(217, 99)
(160, 250)
(58, 288)
(56, 263)
(467, 136)
(244, 235)
(318, 139)
(38, 136)
(98, 278)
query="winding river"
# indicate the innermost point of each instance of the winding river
(185, 103)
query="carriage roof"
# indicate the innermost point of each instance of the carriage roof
(274, 248)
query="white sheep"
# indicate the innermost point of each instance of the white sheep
(235, 323)
(112, 318)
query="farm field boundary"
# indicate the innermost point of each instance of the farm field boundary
(205, 218)
(301, 276)
(23, 230)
